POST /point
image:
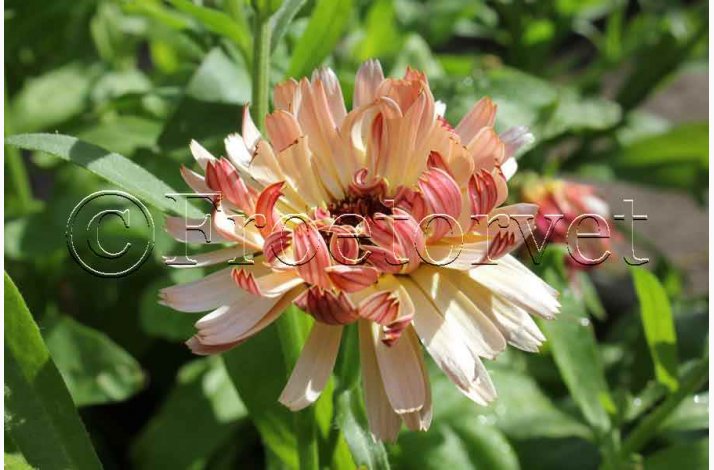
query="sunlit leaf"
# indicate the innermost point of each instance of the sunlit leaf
(656, 316)
(572, 341)
(352, 422)
(201, 413)
(110, 166)
(95, 369)
(39, 413)
(325, 28)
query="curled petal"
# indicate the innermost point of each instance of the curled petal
(327, 307)
(311, 255)
(365, 185)
(265, 207)
(352, 278)
(344, 245)
(275, 244)
(443, 197)
(273, 284)
(223, 177)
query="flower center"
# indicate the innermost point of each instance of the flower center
(353, 209)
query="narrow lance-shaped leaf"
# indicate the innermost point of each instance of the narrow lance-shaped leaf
(326, 25)
(572, 340)
(39, 414)
(111, 166)
(656, 316)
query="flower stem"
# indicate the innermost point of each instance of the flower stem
(261, 68)
(641, 435)
(291, 333)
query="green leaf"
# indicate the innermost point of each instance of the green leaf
(124, 134)
(351, 421)
(656, 316)
(200, 415)
(692, 414)
(51, 99)
(381, 37)
(328, 21)
(95, 369)
(16, 462)
(677, 158)
(468, 445)
(111, 166)
(39, 413)
(685, 455)
(219, 23)
(220, 79)
(161, 321)
(258, 372)
(572, 341)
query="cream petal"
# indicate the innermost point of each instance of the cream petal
(195, 181)
(209, 259)
(480, 333)
(313, 368)
(333, 92)
(513, 322)
(192, 230)
(368, 78)
(237, 151)
(251, 134)
(401, 373)
(517, 284)
(482, 114)
(384, 423)
(445, 343)
(201, 155)
(212, 291)
(419, 420)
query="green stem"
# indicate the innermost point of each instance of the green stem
(290, 331)
(261, 68)
(641, 435)
(16, 168)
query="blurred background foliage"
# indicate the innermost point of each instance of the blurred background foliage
(622, 377)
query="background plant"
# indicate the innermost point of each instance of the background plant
(618, 383)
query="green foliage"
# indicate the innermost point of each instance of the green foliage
(203, 398)
(95, 369)
(658, 324)
(134, 81)
(40, 417)
(111, 166)
(325, 28)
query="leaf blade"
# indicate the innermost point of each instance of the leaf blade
(658, 324)
(42, 419)
(111, 166)
(327, 23)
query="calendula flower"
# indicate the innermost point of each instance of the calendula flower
(568, 209)
(377, 216)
